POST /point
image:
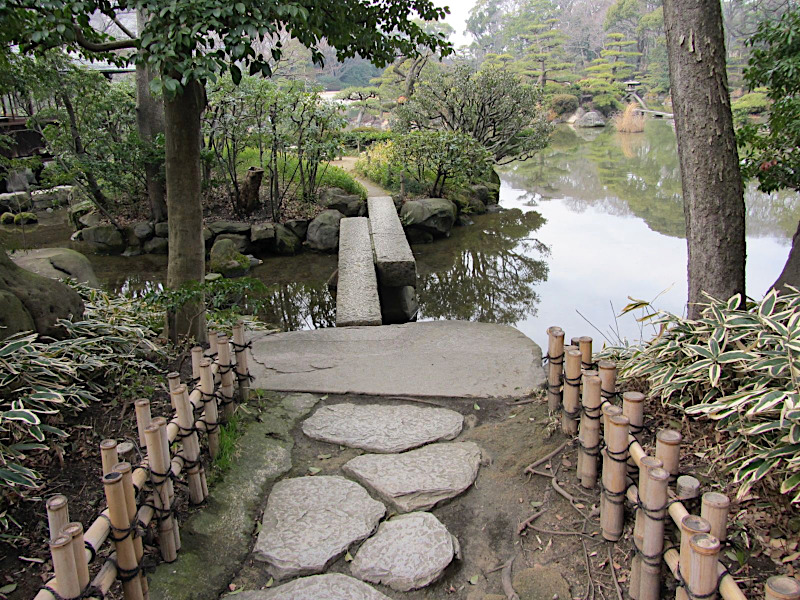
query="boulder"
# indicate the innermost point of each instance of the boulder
(399, 304)
(463, 221)
(226, 259)
(7, 218)
(350, 205)
(14, 317)
(60, 195)
(45, 300)
(143, 231)
(432, 215)
(299, 227)
(323, 231)
(90, 219)
(332, 586)
(591, 119)
(286, 243)
(156, 245)
(20, 180)
(416, 236)
(105, 239)
(161, 229)
(576, 115)
(241, 242)
(234, 227)
(262, 236)
(208, 237)
(14, 202)
(57, 263)
(469, 204)
(76, 211)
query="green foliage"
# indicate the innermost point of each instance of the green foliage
(376, 165)
(364, 137)
(771, 153)
(739, 364)
(753, 103)
(607, 104)
(25, 218)
(563, 104)
(229, 433)
(109, 348)
(7, 218)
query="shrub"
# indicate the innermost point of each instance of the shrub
(364, 137)
(563, 104)
(606, 104)
(7, 218)
(25, 218)
(753, 103)
(629, 120)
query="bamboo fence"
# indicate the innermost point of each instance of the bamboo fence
(137, 497)
(610, 452)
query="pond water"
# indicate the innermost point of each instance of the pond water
(596, 218)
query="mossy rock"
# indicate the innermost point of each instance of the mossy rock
(7, 218)
(25, 218)
(226, 259)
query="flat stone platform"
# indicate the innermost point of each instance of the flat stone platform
(455, 359)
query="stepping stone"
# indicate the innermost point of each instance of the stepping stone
(357, 301)
(382, 428)
(408, 552)
(310, 521)
(419, 479)
(334, 586)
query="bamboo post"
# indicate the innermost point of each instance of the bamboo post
(589, 435)
(615, 455)
(66, 581)
(190, 443)
(607, 370)
(125, 469)
(57, 514)
(161, 499)
(126, 452)
(687, 487)
(212, 345)
(646, 464)
(75, 533)
(608, 410)
(654, 507)
(128, 567)
(143, 418)
(585, 345)
(704, 550)
(690, 525)
(572, 385)
(108, 455)
(714, 509)
(210, 413)
(668, 449)
(173, 381)
(633, 408)
(242, 370)
(780, 587)
(166, 468)
(197, 356)
(555, 361)
(226, 376)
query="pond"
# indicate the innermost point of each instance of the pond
(596, 218)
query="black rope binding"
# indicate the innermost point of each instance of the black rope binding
(91, 591)
(692, 595)
(588, 366)
(573, 381)
(240, 347)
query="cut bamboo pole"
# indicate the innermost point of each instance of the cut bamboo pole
(66, 580)
(126, 452)
(654, 506)
(226, 370)
(585, 345)
(75, 532)
(607, 370)
(780, 587)
(125, 469)
(572, 385)
(143, 418)
(190, 443)
(210, 411)
(242, 370)
(57, 514)
(108, 455)
(589, 435)
(212, 344)
(555, 362)
(690, 525)
(615, 455)
(687, 487)
(128, 567)
(197, 356)
(647, 463)
(728, 588)
(166, 467)
(173, 381)
(668, 449)
(714, 509)
(161, 499)
(703, 558)
(609, 410)
(633, 408)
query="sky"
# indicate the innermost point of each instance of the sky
(459, 11)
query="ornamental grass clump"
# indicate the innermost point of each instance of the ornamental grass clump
(739, 364)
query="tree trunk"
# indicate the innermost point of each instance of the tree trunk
(713, 194)
(150, 122)
(791, 270)
(185, 211)
(249, 197)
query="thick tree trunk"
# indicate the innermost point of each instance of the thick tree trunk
(150, 122)
(249, 197)
(791, 270)
(713, 194)
(185, 210)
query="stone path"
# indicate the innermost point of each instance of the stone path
(310, 521)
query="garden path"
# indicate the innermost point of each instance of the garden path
(348, 163)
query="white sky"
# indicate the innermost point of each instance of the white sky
(459, 11)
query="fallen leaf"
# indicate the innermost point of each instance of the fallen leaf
(324, 456)
(511, 416)
(579, 505)
(566, 462)
(348, 557)
(270, 582)
(474, 579)
(617, 565)
(232, 586)
(559, 517)
(536, 503)
(314, 470)
(7, 589)
(476, 407)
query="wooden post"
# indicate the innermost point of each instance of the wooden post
(161, 499)
(585, 345)
(67, 584)
(108, 455)
(714, 509)
(572, 385)
(197, 356)
(690, 525)
(226, 376)
(242, 370)
(615, 455)
(607, 370)
(646, 464)
(555, 362)
(143, 418)
(780, 587)
(128, 567)
(654, 506)
(668, 449)
(57, 514)
(190, 443)
(210, 413)
(704, 550)
(589, 435)
(75, 532)
(687, 487)
(125, 469)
